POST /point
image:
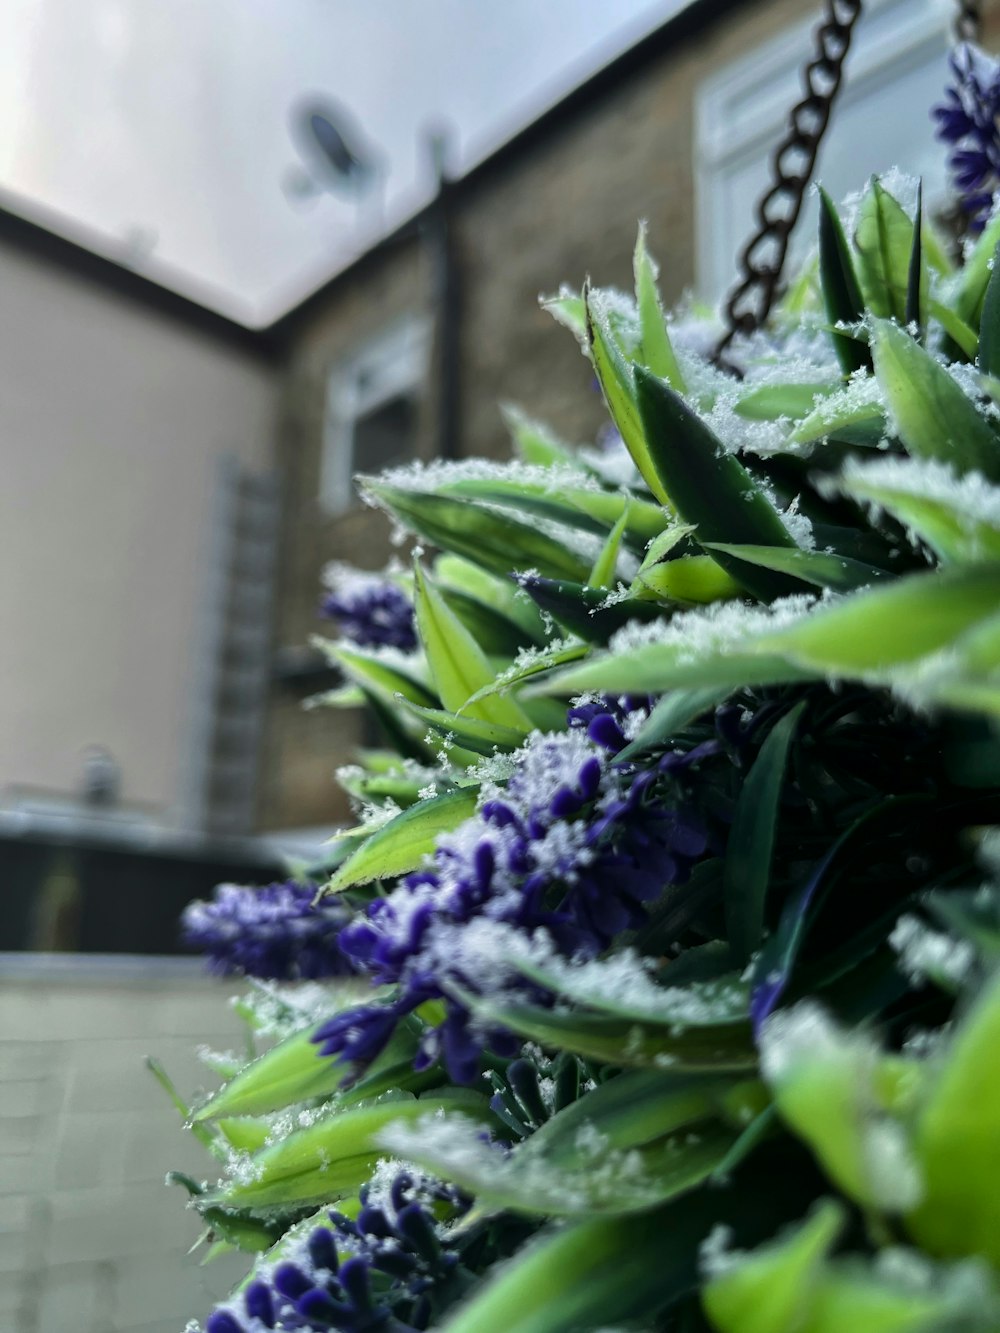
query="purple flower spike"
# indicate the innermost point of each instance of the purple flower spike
(370, 610)
(276, 932)
(968, 121)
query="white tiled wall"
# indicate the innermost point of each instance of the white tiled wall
(90, 1239)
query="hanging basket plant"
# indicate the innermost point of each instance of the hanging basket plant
(656, 988)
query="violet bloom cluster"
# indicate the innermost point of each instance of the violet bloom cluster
(376, 1272)
(370, 610)
(968, 121)
(573, 849)
(277, 933)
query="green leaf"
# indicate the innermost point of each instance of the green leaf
(598, 1179)
(582, 610)
(830, 1087)
(603, 571)
(772, 1289)
(618, 386)
(769, 402)
(469, 732)
(882, 628)
(956, 1143)
(534, 664)
(622, 1041)
(690, 580)
(672, 713)
(331, 1157)
(290, 1072)
(854, 415)
(936, 513)
(582, 1278)
(706, 485)
(372, 672)
(534, 442)
(656, 352)
(974, 276)
(502, 594)
(496, 541)
(916, 277)
(988, 355)
(457, 663)
(205, 1136)
(570, 311)
(495, 634)
(841, 292)
(654, 669)
(883, 239)
(964, 337)
(585, 507)
(399, 846)
(932, 415)
(750, 846)
(821, 568)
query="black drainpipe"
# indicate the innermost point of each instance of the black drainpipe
(446, 300)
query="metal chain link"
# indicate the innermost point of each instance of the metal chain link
(968, 21)
(763, 257)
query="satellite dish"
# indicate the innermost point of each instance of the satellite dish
(334, 151)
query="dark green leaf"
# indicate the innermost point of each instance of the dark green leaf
(841, 292)
(708, 486)
(750, 846)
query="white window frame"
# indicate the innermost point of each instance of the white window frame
(742, 110)
(393, 363)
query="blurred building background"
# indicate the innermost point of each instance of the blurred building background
(179, 432)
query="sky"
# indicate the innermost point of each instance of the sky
(158, 132)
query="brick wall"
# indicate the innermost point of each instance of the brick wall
(91, 1241)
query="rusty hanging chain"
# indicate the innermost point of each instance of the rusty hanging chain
(968, 21)
(763, 257)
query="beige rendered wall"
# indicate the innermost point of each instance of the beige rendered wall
(91, 1240)
(112, 415)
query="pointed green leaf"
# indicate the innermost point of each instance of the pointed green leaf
(399, 846)
(617, 384)
(932, 415)
(457, 663)
(956, 519)
(974, 276)
(537, 663)
(691, 580)
(461, 576)
(769, 402)
(569, 310)
(671, 715)
(988, 355)
(706, 485)
(469, 732)
(821, 568)
(623, 1041)
(772, 1289)
(603, 571)
(534, 442)
(290, 1072)
(881, 628)
(956, 1143)
(883, 239)
(749, 848)
(331, 1157)
(656, 351)
(854, 414)
(584, 1277)
(841, 292)
(597, 1179)
(916, 276)
(375, 673)
(496, 541)
(585, 611)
